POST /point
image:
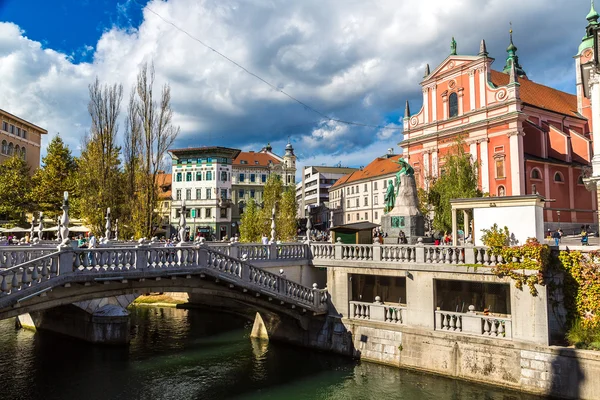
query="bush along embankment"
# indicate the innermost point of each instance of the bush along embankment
(572, 279)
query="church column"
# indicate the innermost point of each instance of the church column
(482, 86)
(472, 89)
(484, 166)
(595, 100)
(461, 95)
(433, 104)
(517, 172)
(445, 104)
(434, 163)
(425, 105)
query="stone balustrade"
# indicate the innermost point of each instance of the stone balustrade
(392, 313)
(14, 255)
(474, 324)
(74, 265)
(404, 254)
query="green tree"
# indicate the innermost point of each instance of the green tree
(458, 180)
(56, 176)
(272, 193)
(286, 217)
(250, 223)
(99, 178)
(15, 189)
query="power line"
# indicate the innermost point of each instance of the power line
(306, 106)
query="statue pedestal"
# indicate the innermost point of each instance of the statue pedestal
(405, 216)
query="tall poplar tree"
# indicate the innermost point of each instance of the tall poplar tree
(250, 223)
(56, 176)
(99, 177)
(150, 134)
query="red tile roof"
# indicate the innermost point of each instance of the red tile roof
(541, 96)
(378, 167)
(164, 181)
(255, 159)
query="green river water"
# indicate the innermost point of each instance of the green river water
(195, 354)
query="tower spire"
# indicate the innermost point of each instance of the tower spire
(483, 48)
(512, 57)
(592, 16)
(407, 110)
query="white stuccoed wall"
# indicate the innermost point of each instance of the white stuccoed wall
(522, 221)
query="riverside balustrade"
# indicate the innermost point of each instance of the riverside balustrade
(392, 313)
(404, 253)
(474, 324)
(41, 274)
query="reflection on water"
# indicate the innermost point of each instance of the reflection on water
(194, 354)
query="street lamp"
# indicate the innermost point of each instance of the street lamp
(558, 214)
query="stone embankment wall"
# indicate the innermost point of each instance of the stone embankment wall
(562, 372)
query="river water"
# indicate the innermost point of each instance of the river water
(194, 354)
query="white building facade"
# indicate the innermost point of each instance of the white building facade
(203, 178)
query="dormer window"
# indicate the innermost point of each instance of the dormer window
(243, 162)
(453, 105)
(255, 162)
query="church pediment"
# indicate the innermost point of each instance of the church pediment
(451, 63)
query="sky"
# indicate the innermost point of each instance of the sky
(353, 60)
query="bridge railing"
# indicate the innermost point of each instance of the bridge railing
(29, 274)
(404, 253)
(11, 256)
(392, 313)
(121, 263)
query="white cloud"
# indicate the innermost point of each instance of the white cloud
(355, 60)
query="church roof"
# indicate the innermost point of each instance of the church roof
(378, 167)
(540, 96)
(252, 159)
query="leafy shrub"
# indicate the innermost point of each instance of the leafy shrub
(495, 238)
(583, 335)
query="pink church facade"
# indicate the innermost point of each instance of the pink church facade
(527, 138)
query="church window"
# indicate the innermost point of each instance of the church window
(535, 174)
(453, 105)
(558, 177)
(500, 172)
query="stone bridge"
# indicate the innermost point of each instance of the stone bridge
(34, 279)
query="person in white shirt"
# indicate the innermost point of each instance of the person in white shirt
(264, 239)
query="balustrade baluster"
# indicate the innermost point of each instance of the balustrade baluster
(34, 274)
(486, 326)
(15, 282)
(501, 328)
